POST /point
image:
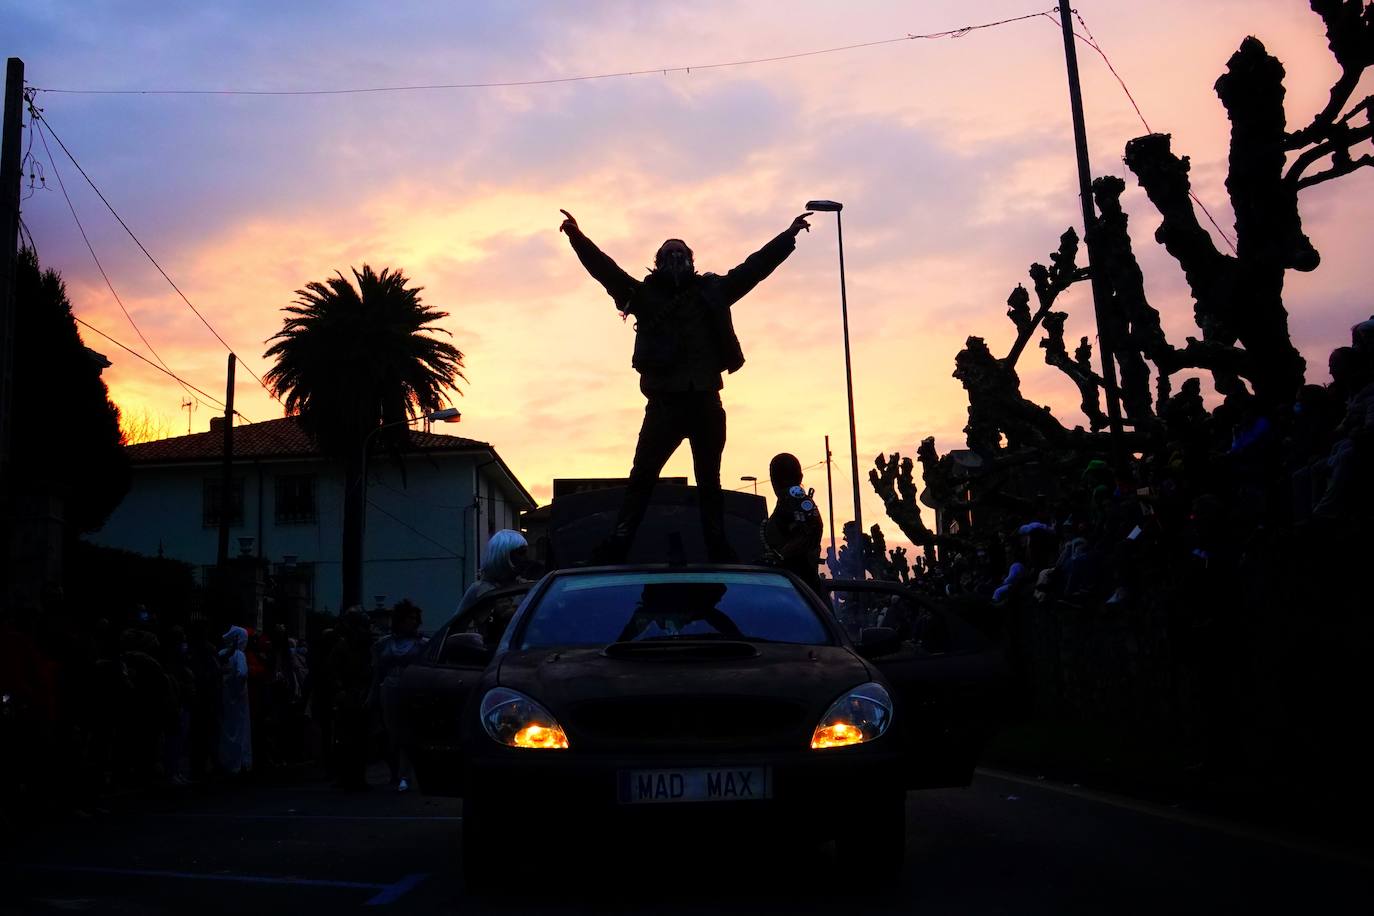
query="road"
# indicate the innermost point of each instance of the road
(1005, 845)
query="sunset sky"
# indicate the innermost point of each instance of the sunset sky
(954, 159)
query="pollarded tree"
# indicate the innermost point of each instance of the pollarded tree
(352, 358)
(1237, 298)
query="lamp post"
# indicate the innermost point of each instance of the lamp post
(750, 478)
(832, 206)
(448, 415)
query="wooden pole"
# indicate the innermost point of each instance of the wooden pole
(1101, 292)
(226, 497)
(11, 173)
(830, 498)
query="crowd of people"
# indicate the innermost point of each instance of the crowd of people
(105, 704)
(99, 705)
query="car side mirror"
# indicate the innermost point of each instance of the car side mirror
(466, 649)
(878, 641)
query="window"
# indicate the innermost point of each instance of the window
(212, 494)
(295, 503)
(598, 609)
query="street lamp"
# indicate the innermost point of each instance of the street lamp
(832, 206)
(447, 415)
(750, 478)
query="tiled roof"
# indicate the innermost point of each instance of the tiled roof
(282, 438)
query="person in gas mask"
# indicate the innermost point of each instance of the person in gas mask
(792, 534)
(684, 340)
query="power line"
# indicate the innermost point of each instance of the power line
(26, 233)
(1091, 41)
(687, 69)
(36, 127)
(211, 398)
(38, 115)
(416, 531)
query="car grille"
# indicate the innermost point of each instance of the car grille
(675, 721)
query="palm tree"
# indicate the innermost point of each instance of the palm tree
(351, 359)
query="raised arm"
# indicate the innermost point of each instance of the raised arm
(739, 281)
(605, 271)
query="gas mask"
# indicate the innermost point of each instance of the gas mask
(679, 263)
(675, 260)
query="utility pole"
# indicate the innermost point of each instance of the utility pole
(830, 498)
(226, 493)
(10, 177)
(1099, 285)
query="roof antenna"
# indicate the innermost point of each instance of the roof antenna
(188, 405)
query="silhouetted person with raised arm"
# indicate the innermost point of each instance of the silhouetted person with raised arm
(684, 340)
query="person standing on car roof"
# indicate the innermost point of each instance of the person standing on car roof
(684, 340)
(792, 534)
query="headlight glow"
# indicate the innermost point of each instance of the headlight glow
(861, 715)
(515, 720)
(540, 737)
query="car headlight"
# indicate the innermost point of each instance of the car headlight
(861, 715)
(513, 719)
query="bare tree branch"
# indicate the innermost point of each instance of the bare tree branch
(1336, 171)
(1341, 140)
(1350, 36)
(1210, 355)
(1079, 372)
(1049, 282)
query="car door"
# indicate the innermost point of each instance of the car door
(952, 680)
(435, 689)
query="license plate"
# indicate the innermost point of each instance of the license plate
(695, 784)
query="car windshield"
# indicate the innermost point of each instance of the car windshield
(602, 608)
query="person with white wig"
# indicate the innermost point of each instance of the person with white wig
(502, 563)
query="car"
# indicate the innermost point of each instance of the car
(671, 696)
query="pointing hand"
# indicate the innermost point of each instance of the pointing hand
(800, 223)
(568, 224)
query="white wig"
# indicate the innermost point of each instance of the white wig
(496, 563)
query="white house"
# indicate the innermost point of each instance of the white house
(427, 523)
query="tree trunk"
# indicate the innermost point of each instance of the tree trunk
(353, 508)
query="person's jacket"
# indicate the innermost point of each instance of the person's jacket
(657, 302)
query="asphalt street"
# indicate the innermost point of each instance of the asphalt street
(1005, 845)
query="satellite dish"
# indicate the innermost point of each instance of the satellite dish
(927, 500)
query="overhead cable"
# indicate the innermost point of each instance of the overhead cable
(546, 81)
(36, 126)
(49, 129)
(210, 397)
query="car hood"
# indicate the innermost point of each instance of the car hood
(769, 696)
